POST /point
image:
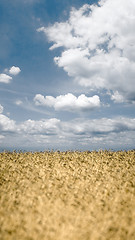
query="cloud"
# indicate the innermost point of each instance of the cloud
(14, 70)
(1, 108)
(6, 124)
(68, 102)
(18, 102)
(103, 126)
(43, 127)
(4, 78)
(98, 47)
(79, 126)
(116, 97)
(116, 133)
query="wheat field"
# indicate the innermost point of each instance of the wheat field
(69, 195)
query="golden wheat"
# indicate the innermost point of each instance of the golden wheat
(67, 195)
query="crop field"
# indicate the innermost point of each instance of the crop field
(67, 195)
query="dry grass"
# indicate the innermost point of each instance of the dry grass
(67, 195)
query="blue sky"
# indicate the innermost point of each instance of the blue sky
(67, 74)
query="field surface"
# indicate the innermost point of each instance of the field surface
(67, 195)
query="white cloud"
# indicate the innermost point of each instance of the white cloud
(116, 133)
(68, 102)
(99, 46)
(44, 127)
(100, 127)
(4, 78)
(1, 108)
(14, 70)
(18, 102)
(83, 133)
(79, 126)
(6, 124)
(116, 97)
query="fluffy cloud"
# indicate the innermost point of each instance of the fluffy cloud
(99, 46)
(68, 102)
(6, 124)
(100, 127)
(4, 78)
(116, 97)
(43, 127)
(116, 133)
(87, 127)
(14, 70)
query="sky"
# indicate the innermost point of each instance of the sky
(67, 75)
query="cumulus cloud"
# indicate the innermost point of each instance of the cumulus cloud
(101, 126)
(14, 70)
(99, 46)
(116, 97)
(44, 127)
(4, 78)
(6, 124)
(68, 102)
(78, 133)
(86, 127)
